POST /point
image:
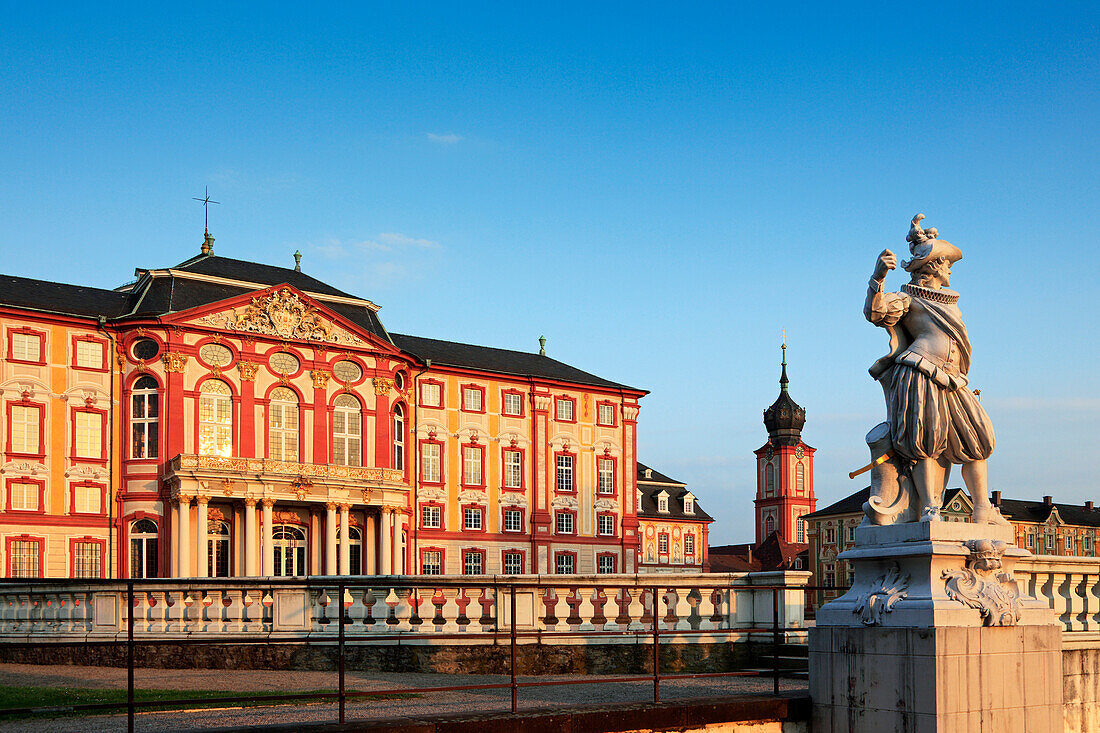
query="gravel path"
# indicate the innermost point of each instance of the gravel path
(436, 703)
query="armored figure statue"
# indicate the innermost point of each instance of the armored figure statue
(934, 420)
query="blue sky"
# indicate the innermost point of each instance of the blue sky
(659, 189)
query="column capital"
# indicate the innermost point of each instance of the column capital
(250, 502)
(330, 505)
(267, 502)
(202, 499)
(183, 498)
(345, 507)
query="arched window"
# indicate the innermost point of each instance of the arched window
(399, 437)
(143, 418)
(218, 545)
(143, 548)
(347, 431)
(799, 478)
(290, 549)
(769, 480)
(282, 425)
(355, 550)
(215, 419)
(769, 526)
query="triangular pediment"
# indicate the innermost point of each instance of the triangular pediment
(284, 313)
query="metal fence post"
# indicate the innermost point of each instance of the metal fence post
(340, 608)
(775, 640)
(512, 643)
(656, 648)
(130, 656)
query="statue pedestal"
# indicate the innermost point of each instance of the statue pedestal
(935, 635)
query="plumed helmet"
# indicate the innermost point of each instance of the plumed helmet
(925, 245)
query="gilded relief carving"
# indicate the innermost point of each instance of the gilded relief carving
(174, 361)
(282, 314)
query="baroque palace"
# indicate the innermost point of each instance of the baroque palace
(228, 418)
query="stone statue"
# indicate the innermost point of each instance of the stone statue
(933, 419)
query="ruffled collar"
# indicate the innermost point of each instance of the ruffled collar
(941, 295)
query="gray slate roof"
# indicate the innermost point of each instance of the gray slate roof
(676, 491)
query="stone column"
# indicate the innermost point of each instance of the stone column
(202, 539)
(183, 535)
(267, 551)
(345, 541)
(330, 538)
(250, 568)
(387, 542)
(370, 543)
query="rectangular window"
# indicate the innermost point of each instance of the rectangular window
(471, 465)
(473, 563)
(565, 473)
(513, 520)
(431, 517)
(565, 523)
(662, 504)
(1050, 542)
(564, 409)
(86, 560)
(606, 414)
(639, 510)
(1088, 543)
(566, 564)
(513, 404)
(830, 535)
(24, 558)
(472, 518)
(26, 347)
(89, 354)
(851, 534)
(513, 563)
(689, 544)
(471, 399)
(1030, 540)
(89, 434)
(801, 528)
(429, 462)
(87, 499)
(431, 562)
(605, 475)
(689, 505)
(662, 544)
(513, 469)
(606, 524)
(605, 564)
(25, 437)
(430, 394)
(24, 497)
(830, 578)
(1069, 544)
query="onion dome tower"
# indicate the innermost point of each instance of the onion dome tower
(785, 468)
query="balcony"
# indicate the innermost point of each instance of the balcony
(220, 467)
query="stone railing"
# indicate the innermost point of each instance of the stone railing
(1070, 585)
(420, 610)
(219, 464)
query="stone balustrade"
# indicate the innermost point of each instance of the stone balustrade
(420, 610)
(1071, 585)
(267, 466)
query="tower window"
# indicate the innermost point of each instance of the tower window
(769, 480)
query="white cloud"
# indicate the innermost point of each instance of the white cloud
(448, 139)
(389, 241)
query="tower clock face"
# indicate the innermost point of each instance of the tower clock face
(769, 454)
(799, 452)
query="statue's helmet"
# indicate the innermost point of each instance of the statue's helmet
(925, 245)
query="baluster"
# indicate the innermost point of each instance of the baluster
(706, 609)
(379, 610)
(488, 611)
(232, 611)
(638, 610)
(585, 609)
(448, 610)
(688, 611)
(1061, 594)
(562, 609)
(319, 610)
(251, 615)
(192, 609)
(267, 619)
(573, 601)
(462, 601)
(357, 610)
(598, 601)
(211, 610)
(416, 599)
(392, 602)
(1092, 594)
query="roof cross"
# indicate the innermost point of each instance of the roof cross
(206, 201)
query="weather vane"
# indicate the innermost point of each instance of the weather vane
(782, 332)
(206, 201)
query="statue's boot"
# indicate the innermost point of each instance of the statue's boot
(988, 514)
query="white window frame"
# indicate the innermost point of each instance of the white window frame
(605, 476)
(689, 544)
(399, 437)
(565, 564)
(89, 434)
(472, 399)
(431, 395)
(471, 465)
(689, 505)
(431, 517)
(283, 425)
(430, 460)
(603, 408)
(564, 474)
(662, 504)
(662, 543)
(87, 499)
(565, 523)
(516, 560)
(24, 558)
(87, 559)
(473, 568)
(215, 419)
(563, 409)
(89, 355)
(347, 431)
(21, 347)
(431, 562)
(517, 399)
(609, 568)
(830, 536)
(513, 520)
(144, 420)
(605, 524)
(473, 518)
(23, 497)
(1050, 541)
(25, 434)
(513, 469)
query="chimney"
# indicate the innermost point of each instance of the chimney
(1048, 500)
(996, 498)
(1088, 505)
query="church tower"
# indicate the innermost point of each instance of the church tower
(784, 469)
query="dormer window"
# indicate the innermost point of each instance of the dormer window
(689, 504)
(649, 473)
(662, 503)
(639, 500)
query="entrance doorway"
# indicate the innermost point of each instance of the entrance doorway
(290, 549)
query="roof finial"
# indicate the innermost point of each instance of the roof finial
(208, 241)
(542, 346)
(783, 381)
(297, 261)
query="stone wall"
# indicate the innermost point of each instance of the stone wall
(1081, 686)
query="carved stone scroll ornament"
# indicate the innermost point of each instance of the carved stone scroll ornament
(382, 386)
(174, 361)
(980, 586)
(887, 590)
(248, 370)
(282, 314)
